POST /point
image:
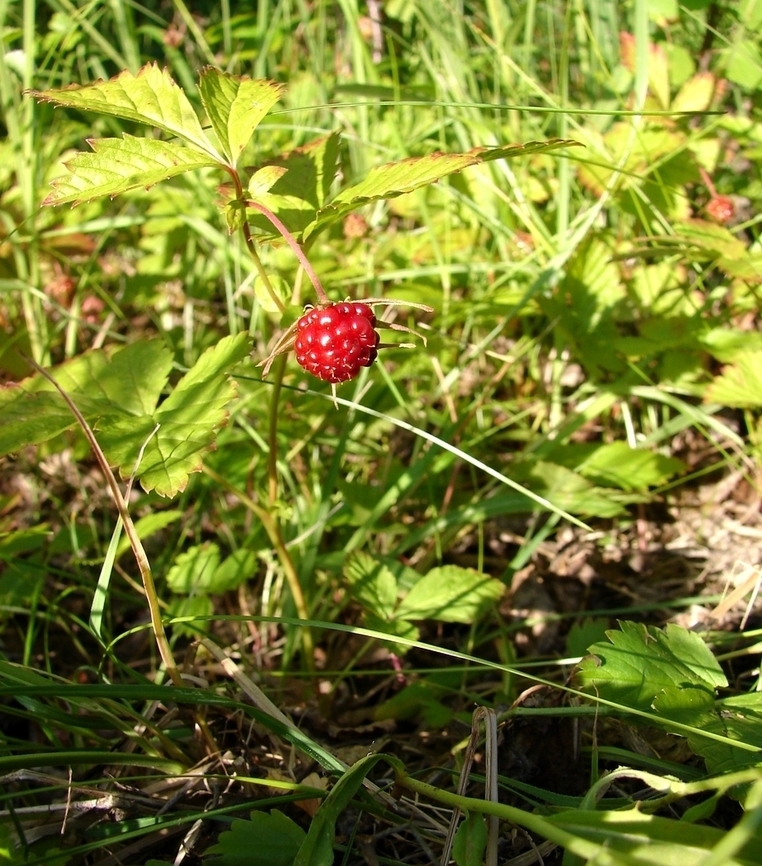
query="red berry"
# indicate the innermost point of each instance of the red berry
(721, 209)
(333, 342)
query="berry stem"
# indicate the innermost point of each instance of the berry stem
(298, 251)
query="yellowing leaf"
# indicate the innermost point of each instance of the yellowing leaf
(121, 164)
(696, 94)
(151, 97)
(235, 106)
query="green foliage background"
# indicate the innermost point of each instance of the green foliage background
(596, 318)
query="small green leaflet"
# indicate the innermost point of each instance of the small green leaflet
(118, 165)
(235, 106)
(151, 97)
(396, 178)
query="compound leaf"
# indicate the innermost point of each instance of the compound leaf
(174, 437)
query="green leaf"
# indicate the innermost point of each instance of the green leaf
(641, 663)
(151, 97)
(571, 492)
(740, 383)
(296, 185)
(371, 584)
(266, 839)
(28, 419)
(234, 570)
(738, 718)
(470, 841)
(121, 164)
(395, 628)
(193, 569)
(235, 106)
(450, 594)
(199, 607)
(396, 178)
(619, 465)
(100, 383)
(176, 435)
(317, 848)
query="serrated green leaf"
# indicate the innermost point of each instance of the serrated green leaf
(470, 841)
(267, 839)
(397, 178)
(740, 383)
(176, 435)
(235, 106)
(395, 628)
(151, 97)
(371, 584)
(199, 606)
(738, 718)
(715, 240)
(121, 164)
(640, 663)
(450, 594)
(28, 419)
(102, 384)
(193, 569)
(571, 492)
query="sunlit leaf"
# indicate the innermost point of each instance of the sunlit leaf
(450, 594)
(121, 164)
(175, 436)
(638, 663)
(193, 569)
(235, 106)
(151, 97)
(740, 383)
(371, 584)
(300, 187)
(397, 178)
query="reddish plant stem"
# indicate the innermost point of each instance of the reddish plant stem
(298, 251)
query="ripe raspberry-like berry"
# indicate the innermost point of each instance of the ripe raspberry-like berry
(334, 342)
(721, 209)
